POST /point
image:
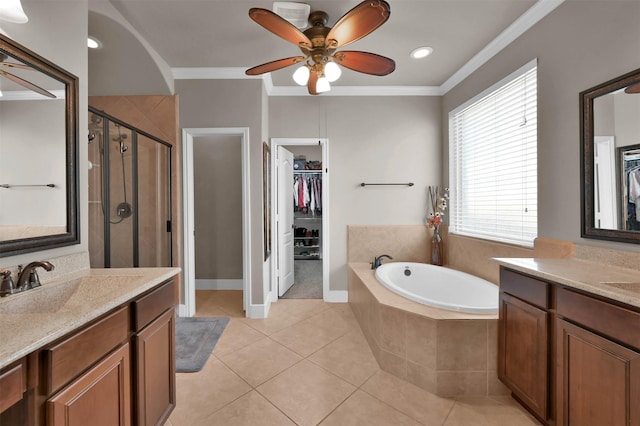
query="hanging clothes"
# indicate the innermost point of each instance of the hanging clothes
(307, 193)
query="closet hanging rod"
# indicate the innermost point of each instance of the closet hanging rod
(400, 184)
(6, 185)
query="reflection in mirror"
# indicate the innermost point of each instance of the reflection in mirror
(610, 115)
(629, 183)
(38, 137)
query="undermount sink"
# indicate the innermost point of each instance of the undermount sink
(628, 286)
(40, 300)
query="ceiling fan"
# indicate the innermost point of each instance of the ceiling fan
(319, 44)
(24, 83)
(634, 88)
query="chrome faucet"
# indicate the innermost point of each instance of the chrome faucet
(378, 261)
(28, 277)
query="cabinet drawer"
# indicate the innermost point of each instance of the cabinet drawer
(150, 306)
(614, 321)
(76, 353)
(526, 288)
(13, 384)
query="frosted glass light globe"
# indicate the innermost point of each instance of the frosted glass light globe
(332, 71)
(301, 75)
(323, 85)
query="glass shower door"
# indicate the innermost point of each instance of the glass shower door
(154, 203)
(129, 196)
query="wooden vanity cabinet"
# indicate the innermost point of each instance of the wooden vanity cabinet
(100, 396)
(86, 375)
(577, 353)
(523, 340)
(597, 362)
(13, 388)
(118, 370)
(154, 346)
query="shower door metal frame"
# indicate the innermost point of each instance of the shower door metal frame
(134, 184)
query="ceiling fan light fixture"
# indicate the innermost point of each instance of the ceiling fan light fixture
(421, 52)
(301, 75)
(11, 11)
(332, 71)
(323, 85)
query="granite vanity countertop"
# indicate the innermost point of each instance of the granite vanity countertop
(29, 320)
(616, 283)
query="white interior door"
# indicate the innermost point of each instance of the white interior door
(284, 220)
(606, 215)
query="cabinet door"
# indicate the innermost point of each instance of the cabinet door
(523, 350)
(156, 370)
(101, 396)
(598, 380)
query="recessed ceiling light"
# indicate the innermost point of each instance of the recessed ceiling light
(93, 43)
(421, 52)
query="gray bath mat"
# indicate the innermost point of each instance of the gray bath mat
(195, 340)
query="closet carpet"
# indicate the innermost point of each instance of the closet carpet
(307, 279)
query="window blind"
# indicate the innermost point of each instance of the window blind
(493, 162)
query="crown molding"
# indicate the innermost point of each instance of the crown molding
(360, 91)
(527, 20)
(237, 73)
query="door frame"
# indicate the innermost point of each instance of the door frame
(324, 144)
(188, 308)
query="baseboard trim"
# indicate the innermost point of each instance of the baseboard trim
(215, 284)
(261, 310)
(337, 296)
(182, 310)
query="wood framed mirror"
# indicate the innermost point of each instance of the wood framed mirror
(39, 206)
(610, 174)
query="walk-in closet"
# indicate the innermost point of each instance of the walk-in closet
(306, 204)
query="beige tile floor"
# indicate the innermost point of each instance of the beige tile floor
(309, 364)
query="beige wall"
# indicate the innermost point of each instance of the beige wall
(230, 103)
(373, 139)
(218, 207)
(66, 46)
(579, 45)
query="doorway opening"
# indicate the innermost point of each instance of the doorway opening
(197, 140)
(301, 200)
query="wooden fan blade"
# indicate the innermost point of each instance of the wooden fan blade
(279, 26)
(634, 88)
(12, 65)
(27, 84)
(358, 22)
(274, 65)
(313, 82)
(365, 62)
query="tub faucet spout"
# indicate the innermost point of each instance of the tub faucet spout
(378, 261)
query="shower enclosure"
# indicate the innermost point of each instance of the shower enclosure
(129, 195)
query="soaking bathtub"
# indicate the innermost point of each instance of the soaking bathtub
(439, 287)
